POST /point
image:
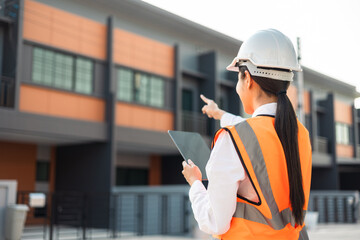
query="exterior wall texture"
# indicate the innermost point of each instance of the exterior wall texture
(143, 117)
(61, 104)
(142, 53)
(57, 28)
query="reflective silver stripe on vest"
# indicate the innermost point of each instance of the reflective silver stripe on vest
(303, 234)
(243, 210)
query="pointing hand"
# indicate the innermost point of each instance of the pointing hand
(211, 109)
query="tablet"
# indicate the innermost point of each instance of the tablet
(192, 146)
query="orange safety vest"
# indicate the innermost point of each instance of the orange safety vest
(262, 156)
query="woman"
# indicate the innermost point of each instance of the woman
(259, 170)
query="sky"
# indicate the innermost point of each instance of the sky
(329, 30)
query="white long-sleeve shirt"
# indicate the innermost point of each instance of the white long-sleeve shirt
(214, 207)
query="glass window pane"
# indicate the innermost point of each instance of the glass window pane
(157, 92)
(37, 69)
(48, 67)
(346, 134)
(37, 73)
(125, 85)
(83, 76)
(338, 133)
(59, 75)
(42, 171)
(141, 88)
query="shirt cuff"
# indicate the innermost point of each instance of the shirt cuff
(196, 188)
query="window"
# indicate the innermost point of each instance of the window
(140, 88)
(131, 176)
(42, 171)
(157, 93)
(83, 77)
(125, 85)
(63, 71)
(343, 133)
(187, 100)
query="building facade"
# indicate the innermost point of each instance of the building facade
(90, 88)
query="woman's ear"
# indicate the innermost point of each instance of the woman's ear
(248, 80)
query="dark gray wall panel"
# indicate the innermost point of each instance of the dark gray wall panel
(83, 167)
(99, 73)
(20, 122)
(327, 129)
(86, 168)
(144, 140)
(207, 64)
(27, 62)
(171, 167)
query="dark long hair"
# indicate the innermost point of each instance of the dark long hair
(286, 128)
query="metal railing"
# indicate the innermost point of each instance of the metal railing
(7, 88)
(195, 122)
(76, 215)
(322, 143)
(335, 206)
(151, 213)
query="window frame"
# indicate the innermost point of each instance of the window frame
(343, 132)
(73, 69)
(149, 76)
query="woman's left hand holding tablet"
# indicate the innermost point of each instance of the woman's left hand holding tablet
(191, 172)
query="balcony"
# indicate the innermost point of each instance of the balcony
(8, 10)
(322, 143)
(195, 122)
(7, 87)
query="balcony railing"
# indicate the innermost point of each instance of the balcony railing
(195, 122)
(7, 88)
(322, 143)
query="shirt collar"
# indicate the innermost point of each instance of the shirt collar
(266, 109)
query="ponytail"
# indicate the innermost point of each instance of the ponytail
(286, 128)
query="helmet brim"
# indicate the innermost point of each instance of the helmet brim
(232, 67)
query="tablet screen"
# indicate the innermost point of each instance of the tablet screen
(192, 146)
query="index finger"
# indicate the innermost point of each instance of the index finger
(205, 99)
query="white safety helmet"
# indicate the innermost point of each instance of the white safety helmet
(266, 51)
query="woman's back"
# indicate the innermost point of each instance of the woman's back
(263, 158)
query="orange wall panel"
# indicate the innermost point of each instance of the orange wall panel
(18, 161)
(61, 104)
(135, 116)
(346, 151)
(143, 53)
(343, 112)
(307, 102)
(58, 28)
(155, 170)
(292, 94)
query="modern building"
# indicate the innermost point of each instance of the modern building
(89, 89)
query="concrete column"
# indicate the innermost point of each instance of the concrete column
(207, 66)
(177, 90)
